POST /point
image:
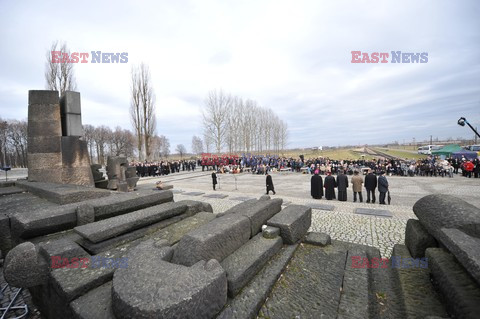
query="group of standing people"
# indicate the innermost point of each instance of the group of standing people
(341, 184)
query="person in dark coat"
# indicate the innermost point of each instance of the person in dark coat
(370, 185)
(382, 187)
(330, 185)
(214, 180)
(270, 184)
(342, 185)
(316, 186)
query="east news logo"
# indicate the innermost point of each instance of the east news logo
(82, 57)
(382, 57)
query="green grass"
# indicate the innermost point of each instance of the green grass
(402, 153)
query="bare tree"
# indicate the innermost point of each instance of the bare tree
(142, 110)
(197, 145)
(101, 137)
(217, 105)
(181, 150)
(17, 137)
(122, 143)
(88, 135)
(59, 75)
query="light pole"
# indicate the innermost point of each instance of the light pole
(4, 128)
(461, 121)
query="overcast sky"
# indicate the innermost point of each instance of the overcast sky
(292, 56)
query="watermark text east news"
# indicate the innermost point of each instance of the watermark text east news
(83, 57)
(382, 57)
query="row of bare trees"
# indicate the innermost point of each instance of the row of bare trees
(102, 141)
(13, 143)
(233, 124)
(142, 111)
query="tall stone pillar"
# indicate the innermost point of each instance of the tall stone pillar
(44, 137)
(76, 162)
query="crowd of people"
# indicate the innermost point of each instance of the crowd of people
(148, 169)
(430, 166)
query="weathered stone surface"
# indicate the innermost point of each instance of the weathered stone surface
(7, 184)
(112, 183)
(70, 102)
(121, 203)
(43, 221)
(194, 206)
(354, 301)
(44, 161)
(445, 211)
(310, 287)
(419, 296)
(243, 264)
(46, 175)
(85, 214)
(45, 144)
(24, 268)
(43, 97)
(374, 212)
(5, 235)
(62, 194)
(173, 233)
(239, 207)
(72, 125)
(75, 153)
(116, 167)
(64, 248)
(319, 206)
(249, 301)
(318, 239)
(257, 211)
(122, 187)
(215, 240)
(131, 172)
(216, 196)
(264, 197)
(417, 239)
(95, 304)
(132, 182)
(10, 190)
(44, 128)
(155, 288)
(293, 221)
(129, 239)
(109, 228)
(465, 248)
(193, 193)
(460, 293)
(270, 232)
(71, 283)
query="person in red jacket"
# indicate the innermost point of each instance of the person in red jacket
(469, 168)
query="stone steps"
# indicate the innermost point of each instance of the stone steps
(310, 285)
(112, 227)
(459, 291)
(417, 293)
(243, 264)
(251, 298)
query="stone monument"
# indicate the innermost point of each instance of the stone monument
(56, 153)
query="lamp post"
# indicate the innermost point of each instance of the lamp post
(4, 129)
(462, 121)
